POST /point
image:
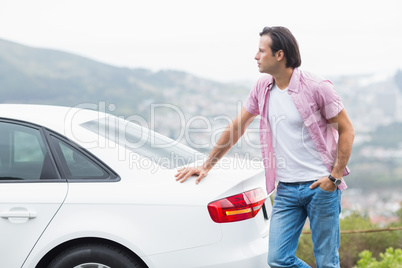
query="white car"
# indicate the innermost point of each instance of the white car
(84, 189)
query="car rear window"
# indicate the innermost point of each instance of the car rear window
(144, 142)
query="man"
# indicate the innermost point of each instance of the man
(305, 126)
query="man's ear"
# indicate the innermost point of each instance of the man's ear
(280, 55)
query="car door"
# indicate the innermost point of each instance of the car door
(31, 191)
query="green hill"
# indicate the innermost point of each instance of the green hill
(44, 76)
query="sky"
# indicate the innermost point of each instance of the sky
(214, 39)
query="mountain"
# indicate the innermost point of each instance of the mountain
(195, 111)
(45, 76)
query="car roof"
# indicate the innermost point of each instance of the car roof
(223, 181)
(53, 117)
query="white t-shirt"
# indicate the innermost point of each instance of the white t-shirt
(291, 141)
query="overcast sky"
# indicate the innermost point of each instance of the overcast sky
(214, 39)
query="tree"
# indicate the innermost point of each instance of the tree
(389, 258)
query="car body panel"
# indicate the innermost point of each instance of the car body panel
(164, 222)
(20, 233)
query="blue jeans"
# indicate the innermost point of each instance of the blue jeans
(293, 203)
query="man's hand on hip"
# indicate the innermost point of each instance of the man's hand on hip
(325, 184)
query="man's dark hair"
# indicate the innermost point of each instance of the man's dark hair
(283, 39)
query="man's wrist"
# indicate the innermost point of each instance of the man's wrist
(210, 163)
(336, 176)
(335, 180)
(337, 172)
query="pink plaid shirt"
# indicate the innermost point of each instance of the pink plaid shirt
(316, 101)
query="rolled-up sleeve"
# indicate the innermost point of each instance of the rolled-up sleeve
(252, 102)
(329, 101)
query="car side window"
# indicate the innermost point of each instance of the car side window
(23, 154)
(77, 165)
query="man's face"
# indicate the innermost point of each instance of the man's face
(267, 63)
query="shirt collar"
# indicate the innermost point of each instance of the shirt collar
(294, 80)
(270, 83)
(293, 84)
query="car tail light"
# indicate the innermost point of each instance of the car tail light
(237, 207)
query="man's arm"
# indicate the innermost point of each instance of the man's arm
(229, 137)
(342, 123)
(346, 136)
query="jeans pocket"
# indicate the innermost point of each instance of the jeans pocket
(327, 192)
